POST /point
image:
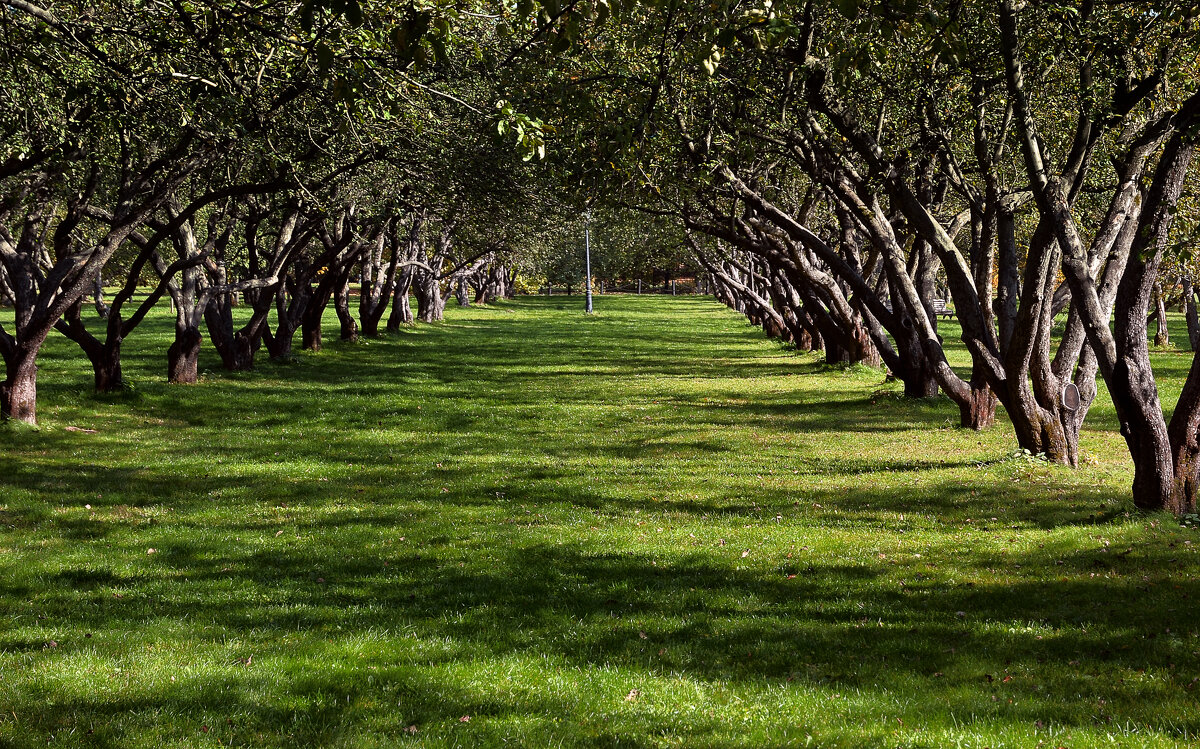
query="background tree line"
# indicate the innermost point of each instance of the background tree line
(277, 155)
(843, 170)
(847, 171)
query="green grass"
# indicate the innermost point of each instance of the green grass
(524, 526)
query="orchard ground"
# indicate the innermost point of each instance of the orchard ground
(650, 527)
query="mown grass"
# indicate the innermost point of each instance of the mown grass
(523, 526)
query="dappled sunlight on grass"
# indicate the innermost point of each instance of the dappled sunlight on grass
(647, 528)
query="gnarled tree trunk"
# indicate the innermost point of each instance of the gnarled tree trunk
(402, 313)
(430, 304)
(183, 357)
(1162, 336)
(18, 392)
(341, 305)
(105, 356)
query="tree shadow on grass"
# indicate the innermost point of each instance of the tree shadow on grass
(828, 625)
(446, 570)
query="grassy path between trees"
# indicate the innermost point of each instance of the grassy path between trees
(527, 527)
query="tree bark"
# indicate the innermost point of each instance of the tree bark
(236, 348)
(102, 309)
(341, 304)
(978, 411)
(104, 356)
(430, 304)
(310, 331)
(1193, 318)
(401, 307)
(18, 392)
(183, 357)
(460, 292)
(7, 295)
(1162, 336)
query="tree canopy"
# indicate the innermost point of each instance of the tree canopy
(844, 172)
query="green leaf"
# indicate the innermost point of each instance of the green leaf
(324, 57)
(848, 8)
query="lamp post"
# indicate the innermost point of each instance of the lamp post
(587, 256)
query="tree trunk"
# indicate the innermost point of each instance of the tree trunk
(236, 348)
(1184, 433)
(244, 348)
(8, 297)
(1136, 399)
(102, 309)
(483, 294)
(1044, 435)
(107, 369)
(1193, 319)
(922, 383)
(865, 352)
(235, 355)
(183, 357)
(291, 300)
(1162, 337)
(835, 353)
(104, 356)
(430, 304)
(1085, 381)
(370, 325)
(314, 314)
(191, 303)
(248, 340)
(279, 342)
(401, 307)
(978, 411)
(18, 392)
(341, 305)
(774, 327)
(310, 333)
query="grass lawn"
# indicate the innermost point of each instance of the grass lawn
(651, 527)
